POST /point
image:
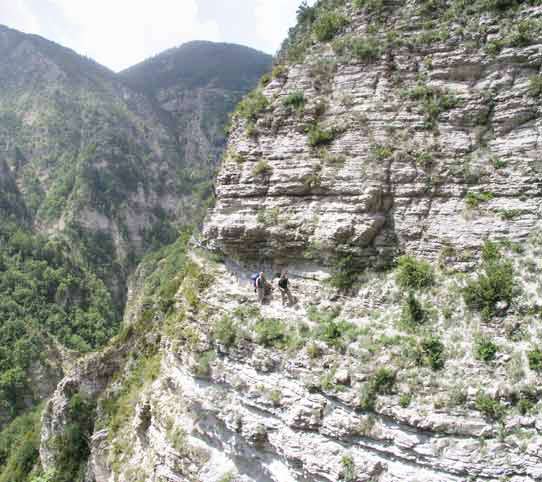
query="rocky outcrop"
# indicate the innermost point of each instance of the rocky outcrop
(433, 144)
(269, 404)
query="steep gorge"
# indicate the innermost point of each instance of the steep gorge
(93, 177)
(391, 163)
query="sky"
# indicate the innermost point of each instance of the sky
(121, 33)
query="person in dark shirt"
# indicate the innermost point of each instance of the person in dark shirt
(261, 283)
(284, 288)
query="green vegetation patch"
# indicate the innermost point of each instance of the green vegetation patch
(433, 101)
(321, 137)
(405, 400)
(262, 168)
(196, 281)
(19, 447)
(366, 49)
(381, 382)
(43, 290)
(535, 86)
(490, 407)
(496, 283)
(296, 100)
(413, 314)
(349, 472)
(271, 333)
(345, 272)
(72, 447)
(252, 106)
(414, 274)
(485, 349)
(166, 271)
(226, 331)
(535, 359)
(431, 353)
(118, 408)
(328, 25)
(474, 199)
(335, 333)
(202, 368)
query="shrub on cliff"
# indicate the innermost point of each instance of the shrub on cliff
(493, 286)
(535, 360)
(367, 49)
(430, 352)
(526, 32)
(271, 333)
(295, 100)
(345, 272)
(490, 407)
(485, 349)
(262, 168)
(252, 106)
(414, 274)
(202, 367)
(328, 25)
(413, 313)
(225, 331)
(349, 471)
(474, 199)
(320, 137)
(434, 101)
(381, 382)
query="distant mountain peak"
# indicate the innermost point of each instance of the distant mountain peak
(192, 63)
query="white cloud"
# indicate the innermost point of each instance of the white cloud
(274, 19)
(116, 33)
(120, 33)
(17, 14)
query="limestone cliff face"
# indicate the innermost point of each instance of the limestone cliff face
(418, 129)
(412, 128)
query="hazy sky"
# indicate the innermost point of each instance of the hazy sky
(120, 33)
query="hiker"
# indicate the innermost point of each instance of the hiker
(261, 285)
(284, 289)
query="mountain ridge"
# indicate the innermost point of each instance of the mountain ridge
(185, 54)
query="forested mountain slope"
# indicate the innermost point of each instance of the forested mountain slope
(198, 101)
(93, 175)
(102, 162)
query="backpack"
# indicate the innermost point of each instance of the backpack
(254, 277)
